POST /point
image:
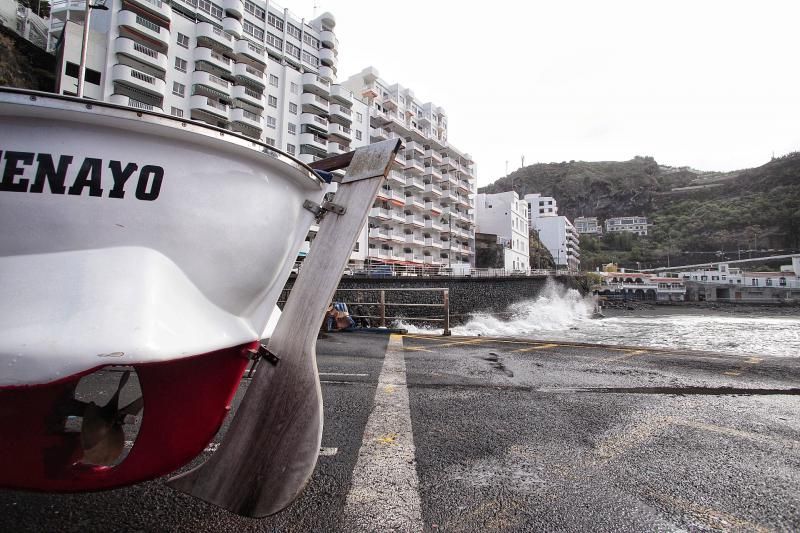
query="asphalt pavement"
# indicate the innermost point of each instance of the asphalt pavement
(472, 434)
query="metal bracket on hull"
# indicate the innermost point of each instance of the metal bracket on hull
(320, 210)
(281, 413)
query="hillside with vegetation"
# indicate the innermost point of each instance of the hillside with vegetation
(696, 216)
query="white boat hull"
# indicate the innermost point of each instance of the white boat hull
(159, 240)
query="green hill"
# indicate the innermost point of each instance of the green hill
(693, 213)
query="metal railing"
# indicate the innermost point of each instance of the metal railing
(361, 306)
(442, 270)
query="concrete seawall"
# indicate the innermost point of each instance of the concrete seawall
(467, 295)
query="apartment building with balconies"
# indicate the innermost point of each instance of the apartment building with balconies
(424, 213)
(506, 215)
(555, 231)
(251, 67)
(588, 225)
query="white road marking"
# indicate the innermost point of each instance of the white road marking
(328, 452)
(342, 374)
(384, 495)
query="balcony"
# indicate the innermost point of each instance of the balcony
(433, 224)
(433, 173)
(326, 72)
(337, 149)
(379, 134)
(313, 103)
(246, 117)
(434, 208)
(213, 37)
(379, 233)
(450, 163)
(415, 203)
(433, 243)
(143, 54)
(415, 220)
(463, 200)
(380, 213)
(232, 26)
(247, 50)
(248, 75)
(314, 141)
(328, 39)
(414, 183)
(139, 80)
(415, 147)
(248, 95)
(389, 102)
(213, 58)
(212, 82)
(448, 195)
(340, 132)
(327, 57)
(432, 190)
(143, 26)
(209, 106)
(234, 8)
(315, 121)
(465, 186)
(397, 177)
(120, 99)
(154, 7)
(316, 85)
(414, 166)
(341, 95)
(414, 258)
(434, 156)
(341, 114)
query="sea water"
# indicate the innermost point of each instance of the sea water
(562, 314)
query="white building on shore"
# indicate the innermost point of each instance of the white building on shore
(555, 231)
(251, 67)
(588, 226)
(505, 215)
(423, 215)
(637, 225)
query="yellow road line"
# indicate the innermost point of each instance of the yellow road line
(627, 355)
(538, 347)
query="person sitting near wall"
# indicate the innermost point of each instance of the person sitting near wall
(338, 316)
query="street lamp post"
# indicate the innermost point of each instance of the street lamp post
(87, 13)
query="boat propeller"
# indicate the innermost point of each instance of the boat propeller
(102, 435)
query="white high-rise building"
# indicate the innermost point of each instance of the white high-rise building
(555, 232)
(424, 213)
(248, 66)
(505, 215)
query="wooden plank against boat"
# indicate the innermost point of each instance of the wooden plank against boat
(271, 448)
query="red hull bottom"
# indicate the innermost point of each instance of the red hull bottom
(185, 402)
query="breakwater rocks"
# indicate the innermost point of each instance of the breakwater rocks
(467, 295)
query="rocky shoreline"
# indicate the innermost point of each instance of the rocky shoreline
(788, 309)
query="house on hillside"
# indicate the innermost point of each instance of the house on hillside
(588, 226)
(637, 225)
(555, 232)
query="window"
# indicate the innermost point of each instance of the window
(254, 10)
(269, 141)
(290, 149)
(274, 41)
(183, 40)
(308, 58)
(275, 22)
(271, 122)
(210, 8)
(293, 50)
(178, 89)
(292, 128)
(273, 80)
(250, 29)
(294, 88)
(272, 101)
(294, 31)
(180, 64)
(359, 117)
(358, 135)
(310, 40)
(176, 112)
(293, 108)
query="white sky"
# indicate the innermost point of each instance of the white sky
(710, 84)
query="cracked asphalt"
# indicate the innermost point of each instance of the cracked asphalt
(520, 435)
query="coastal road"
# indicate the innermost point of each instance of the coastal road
(428, 433)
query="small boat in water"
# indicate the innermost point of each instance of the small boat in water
(137, 239)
